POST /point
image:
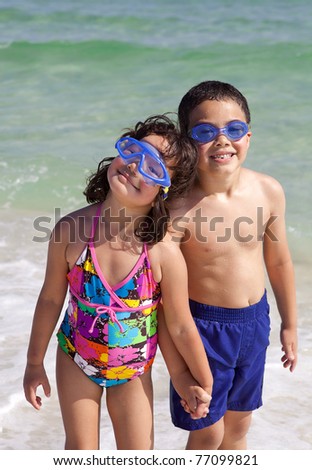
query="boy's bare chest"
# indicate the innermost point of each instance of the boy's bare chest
(222, 228)
(229, 226)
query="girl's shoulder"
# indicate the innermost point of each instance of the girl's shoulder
(76, 225)
(81, 213)
(164, 256)
(72, 232)
(167, 247)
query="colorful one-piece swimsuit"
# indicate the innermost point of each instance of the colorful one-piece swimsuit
(110, 332)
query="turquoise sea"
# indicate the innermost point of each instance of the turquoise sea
(73, 75)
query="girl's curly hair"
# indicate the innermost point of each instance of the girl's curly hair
(180, 157)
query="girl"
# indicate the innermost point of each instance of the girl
(113, 256)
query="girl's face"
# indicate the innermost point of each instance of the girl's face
(127, 183)
(221, 154)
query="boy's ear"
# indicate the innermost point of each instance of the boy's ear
(249, 134)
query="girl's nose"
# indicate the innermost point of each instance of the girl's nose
(132, 167)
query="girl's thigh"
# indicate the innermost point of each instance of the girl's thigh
(130, 407)
(80, 402)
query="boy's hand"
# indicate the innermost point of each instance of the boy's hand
(289, 346)
(289, 359)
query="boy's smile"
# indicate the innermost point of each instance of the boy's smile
(220, 157)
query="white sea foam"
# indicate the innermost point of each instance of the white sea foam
(13, 401)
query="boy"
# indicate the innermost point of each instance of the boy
(233, 220)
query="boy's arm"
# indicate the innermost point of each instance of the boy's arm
(281, 275)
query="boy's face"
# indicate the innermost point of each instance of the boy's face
(221, 154)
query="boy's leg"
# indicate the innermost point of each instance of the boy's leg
(236, 426)
(229, 433)
(80, 401)
(208, 438)
(130, 407)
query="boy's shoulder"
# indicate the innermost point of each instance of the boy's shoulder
(253, 186)
(265, 182)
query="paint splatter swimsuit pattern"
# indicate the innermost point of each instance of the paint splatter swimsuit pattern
(110, 332)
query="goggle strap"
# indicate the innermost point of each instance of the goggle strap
(165, 192)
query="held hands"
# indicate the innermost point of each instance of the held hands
(35, 376)
(198, 402)
(289, 347)
(194, 399)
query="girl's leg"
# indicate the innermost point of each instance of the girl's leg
(236, 427)
(130, 407)
(80, 401)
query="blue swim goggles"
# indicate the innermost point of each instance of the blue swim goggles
(205, 132)
(148, 160)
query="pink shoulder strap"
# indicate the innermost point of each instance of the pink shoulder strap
(95, 222)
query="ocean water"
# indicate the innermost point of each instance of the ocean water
(73, 75)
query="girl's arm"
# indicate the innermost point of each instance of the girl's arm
(47, 312)
(178, 318)
(194, 399)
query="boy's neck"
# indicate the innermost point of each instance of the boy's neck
(216, 184)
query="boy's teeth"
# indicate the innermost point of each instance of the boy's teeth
(222, 157)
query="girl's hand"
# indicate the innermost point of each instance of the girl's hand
(35, 376)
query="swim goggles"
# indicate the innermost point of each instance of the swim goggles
(148, 160)
(205, 132)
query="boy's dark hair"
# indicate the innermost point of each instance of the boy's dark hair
(209, 90)
(180, 157)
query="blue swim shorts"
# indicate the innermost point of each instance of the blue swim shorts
(235, 341)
